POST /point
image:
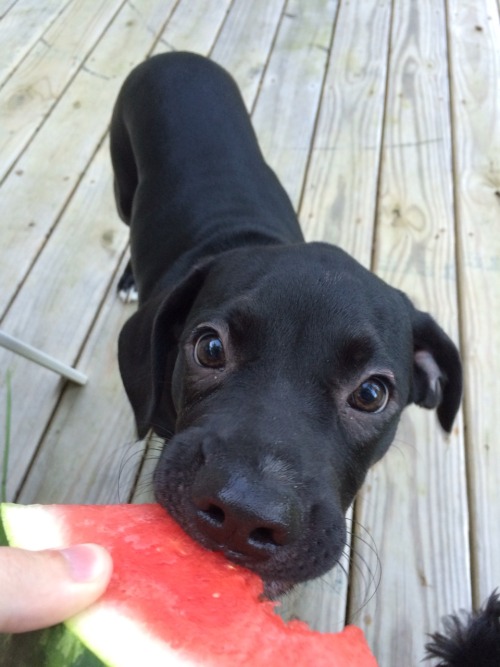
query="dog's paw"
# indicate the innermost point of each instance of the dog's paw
(126, 288)
(130, 295)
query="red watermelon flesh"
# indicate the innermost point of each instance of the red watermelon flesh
(178, 593)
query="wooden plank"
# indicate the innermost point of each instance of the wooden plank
(27, 99)
(21, 28)
(90, 454)
(143, 491)
(474, 30)
(5, 7)
(57, 306)
(245, 42)
(82, 250)
(194, 25)
(339, 203)
(414, 504)
(340, 194)
(321, 603)
(285, 114)
(46, 174)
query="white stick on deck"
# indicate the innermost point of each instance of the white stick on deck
(31, 353)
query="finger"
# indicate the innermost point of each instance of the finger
(41, 588)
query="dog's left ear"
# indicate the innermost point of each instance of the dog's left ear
(147, 348)
(437, 371)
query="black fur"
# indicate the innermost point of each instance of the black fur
(469, 640)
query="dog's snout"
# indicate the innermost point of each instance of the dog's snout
(251, 507)
(246, 518)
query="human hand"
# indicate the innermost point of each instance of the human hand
(41, 588)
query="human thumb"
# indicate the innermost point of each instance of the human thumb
(41, 588)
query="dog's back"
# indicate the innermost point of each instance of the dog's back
(182, 138)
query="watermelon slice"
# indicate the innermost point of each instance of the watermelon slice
(170, 601)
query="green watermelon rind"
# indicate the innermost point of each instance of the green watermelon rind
(4, 540)
(53, 647)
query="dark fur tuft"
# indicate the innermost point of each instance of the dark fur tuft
(470, 640)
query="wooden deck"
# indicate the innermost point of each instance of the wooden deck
(383, 121)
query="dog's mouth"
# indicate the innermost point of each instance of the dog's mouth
(237, 557)
(273, 588)
(280, 568)
(281, 555)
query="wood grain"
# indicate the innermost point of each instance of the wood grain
(97, 462)
(80, 253)
(200, 18)
(475, 80)
(28, 98)
(285, 113)
(339, 200)
(100, 463)
(35, 194)
(414, 505)
(58, 303)
(253, 24)
(22, 28)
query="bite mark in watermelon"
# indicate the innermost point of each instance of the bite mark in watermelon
(170, 601)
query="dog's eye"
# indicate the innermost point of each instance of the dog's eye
(209, 351)
(371, 396)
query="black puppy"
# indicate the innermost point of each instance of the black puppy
(275, 370)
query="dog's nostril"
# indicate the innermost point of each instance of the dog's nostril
(214, 514)
(264, 537)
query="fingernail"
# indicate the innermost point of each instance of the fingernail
(85, 562)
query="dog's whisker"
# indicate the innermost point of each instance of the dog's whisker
(371, 583)
(129, 466)
(358, 562)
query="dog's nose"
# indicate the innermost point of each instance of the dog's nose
(246, 518)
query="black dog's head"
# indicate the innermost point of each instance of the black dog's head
(282, 372)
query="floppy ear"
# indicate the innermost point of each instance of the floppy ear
(147, 348)
(437, 371)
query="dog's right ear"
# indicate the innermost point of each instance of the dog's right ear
(146, 345)
(437, 378)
